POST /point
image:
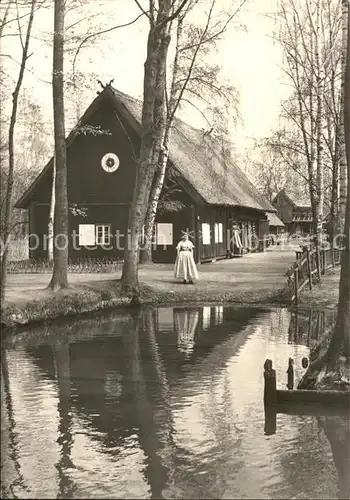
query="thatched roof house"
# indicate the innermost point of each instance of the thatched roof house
(212, 189)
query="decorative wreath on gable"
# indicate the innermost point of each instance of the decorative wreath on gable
(110, 162)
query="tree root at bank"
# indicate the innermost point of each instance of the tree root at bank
(330, 365)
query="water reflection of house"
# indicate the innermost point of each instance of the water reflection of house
(118, 381)
(202, 328)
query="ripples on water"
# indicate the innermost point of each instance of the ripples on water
(166, 403)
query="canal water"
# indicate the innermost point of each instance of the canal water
(164, 403)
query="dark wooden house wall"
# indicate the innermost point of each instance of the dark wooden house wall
(105, 198)
(284, 208)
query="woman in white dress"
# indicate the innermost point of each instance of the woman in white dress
(185, 266)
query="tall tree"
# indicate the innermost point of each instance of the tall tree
(193, 79)
(310, 35)
(328, 365)
(343, 177)
(160, 14)
(60, 251)
(6, 229)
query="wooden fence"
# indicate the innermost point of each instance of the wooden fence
(310, 265)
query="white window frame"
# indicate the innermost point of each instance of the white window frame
(219, 232)
(106, 231)
(206, 236)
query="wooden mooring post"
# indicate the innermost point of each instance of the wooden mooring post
(290, 374)
(300, 400)
(270, 399)
(270, 389)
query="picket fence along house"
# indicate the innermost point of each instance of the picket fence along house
(208, 190)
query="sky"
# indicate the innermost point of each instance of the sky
(247, 54)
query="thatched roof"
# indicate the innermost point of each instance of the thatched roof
(197, 156)
(274, 220)
(300, 201)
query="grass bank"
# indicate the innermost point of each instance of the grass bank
(42, 305)
(324, 294)
(255, 279)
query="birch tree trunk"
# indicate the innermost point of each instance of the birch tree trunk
(319, 124)
(6, 230)
(152, 135)
(50, 229)
(176, 92)
(60, 251)
(158, 179)
(343, 177)
(329, 364)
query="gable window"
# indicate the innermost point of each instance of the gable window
(103, 234)
(218, 232)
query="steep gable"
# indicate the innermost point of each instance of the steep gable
(197, 157)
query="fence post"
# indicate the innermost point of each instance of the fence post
(323, 261)
(309, 270)
(318, 264)
(333, 257)
(296, 284)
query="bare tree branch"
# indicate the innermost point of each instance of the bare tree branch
(144, 12)
(101, 33)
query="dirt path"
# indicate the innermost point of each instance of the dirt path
(254, 273)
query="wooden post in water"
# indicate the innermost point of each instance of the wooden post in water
(270, 420)
(296, 285)
(290, 374)
(309, 270)
(270, 391)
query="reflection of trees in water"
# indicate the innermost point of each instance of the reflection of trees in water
(337, 430)
(13, 442)
(307, 327)
(279, 320)
(121, 388)
(305, 466)
(65, 437)
(149, 390)
(219, 425)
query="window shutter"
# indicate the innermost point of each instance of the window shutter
(87, 234)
